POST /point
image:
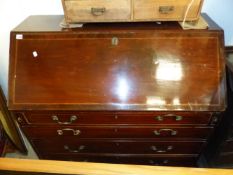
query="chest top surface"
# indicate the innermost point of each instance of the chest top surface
(121, 66)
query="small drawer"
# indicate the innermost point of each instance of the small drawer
(65, 118)
(77, 11)
(127, 159)
(118, 132)
(80, 146)
(97, 117)
(166, 10)
(161, 118)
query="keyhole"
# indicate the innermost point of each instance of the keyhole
(115, 41)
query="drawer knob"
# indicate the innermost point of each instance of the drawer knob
(80, 148)
(158, 132)
(166, 9)
(71, 120)
(176, 117)
(75, 132)
(98, 11)
(154, 148)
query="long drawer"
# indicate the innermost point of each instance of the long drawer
(118, 132)
(80, 146)
(177, 160)
(97, 117)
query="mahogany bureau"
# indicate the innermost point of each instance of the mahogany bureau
(141, 93)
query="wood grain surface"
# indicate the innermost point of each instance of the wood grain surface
(114, 67)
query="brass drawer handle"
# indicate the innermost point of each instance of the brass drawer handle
(80, 148)
(98, 11)
(161, 117)
(154, 148)
(75, 132)
(158, 132)
(166, 9)
(152, 162)
(71, 120)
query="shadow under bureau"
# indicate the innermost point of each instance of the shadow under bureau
(139, 93)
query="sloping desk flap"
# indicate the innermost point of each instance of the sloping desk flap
(106, 68)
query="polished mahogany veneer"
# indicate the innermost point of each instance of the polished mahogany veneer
(109, 67)
(128, 93)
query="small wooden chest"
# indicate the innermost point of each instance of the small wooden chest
(85, 11)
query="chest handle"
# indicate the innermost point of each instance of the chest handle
(166, 9)
(71, 120)
(176, 117)
(75, 132)
(168, 148)
(98, 11)
(80, 148)
(172, 132)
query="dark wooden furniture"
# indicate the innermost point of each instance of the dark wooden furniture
(139, 93)
(219, 152)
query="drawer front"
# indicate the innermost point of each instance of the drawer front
(73, 118)
(118, 132)
(224, 160)
(127, 159)
(78, 146)
(96, 11)
(228, 146)
(166, 10)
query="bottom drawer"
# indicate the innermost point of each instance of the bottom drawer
(80, 146)
(228, 146)
(224, 160)
(176, 160)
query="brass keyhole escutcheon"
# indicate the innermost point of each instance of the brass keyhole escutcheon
(115, 41)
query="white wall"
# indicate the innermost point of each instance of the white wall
(221, 11)
(12, 12)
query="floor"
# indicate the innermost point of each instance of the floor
(16, 154)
